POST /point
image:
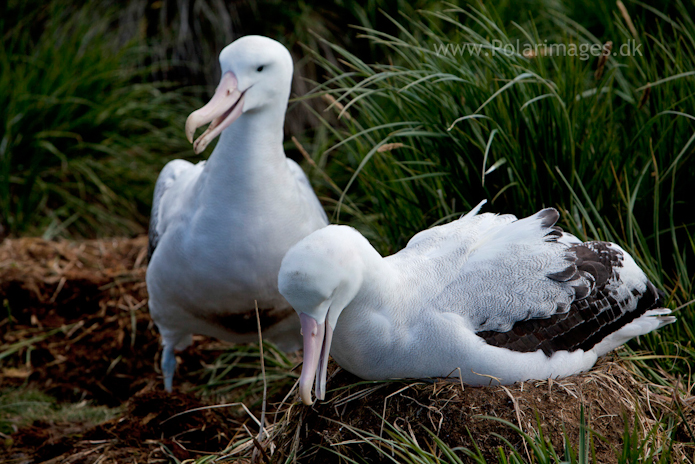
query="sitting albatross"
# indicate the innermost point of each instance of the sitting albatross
(220, 228)
(494, 296)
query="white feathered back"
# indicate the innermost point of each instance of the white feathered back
(468, 260)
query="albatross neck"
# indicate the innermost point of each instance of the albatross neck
(366, 325)
(381, 290)
(250, 150)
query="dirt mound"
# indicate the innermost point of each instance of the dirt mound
(77, 319)
(364, 418)
(176, 421)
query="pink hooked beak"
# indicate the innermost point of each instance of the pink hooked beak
(317, 345)
(221, 111)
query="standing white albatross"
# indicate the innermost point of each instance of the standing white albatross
(220, 228)
(494, 296)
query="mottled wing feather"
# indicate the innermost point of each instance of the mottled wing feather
(597, 311)
(500, 266)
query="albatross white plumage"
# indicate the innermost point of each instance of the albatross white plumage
(494, 296)
(220, 228)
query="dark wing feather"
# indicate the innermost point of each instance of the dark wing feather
(596, 312)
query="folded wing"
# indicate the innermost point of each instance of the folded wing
(525, 285)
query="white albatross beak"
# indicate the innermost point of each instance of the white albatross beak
(221, 111)
(317, 345)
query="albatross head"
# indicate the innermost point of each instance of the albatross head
(319, 277)
(256, 71)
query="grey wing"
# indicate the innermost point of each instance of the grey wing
(502, 277)
(307, 191)
(526, 285)
(167, 177)
(552, 292)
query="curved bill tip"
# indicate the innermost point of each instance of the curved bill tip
(223, 109)
(191, 126)
(305, 394)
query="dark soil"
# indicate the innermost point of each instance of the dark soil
(86, 305)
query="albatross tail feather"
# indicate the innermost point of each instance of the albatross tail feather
(651, 320)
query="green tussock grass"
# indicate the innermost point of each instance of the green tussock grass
(95, 107)
(236, 374)
(24, 406)
(83, 132)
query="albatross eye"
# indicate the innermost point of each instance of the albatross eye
(260, 68)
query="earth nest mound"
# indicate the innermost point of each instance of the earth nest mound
(357, 413)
